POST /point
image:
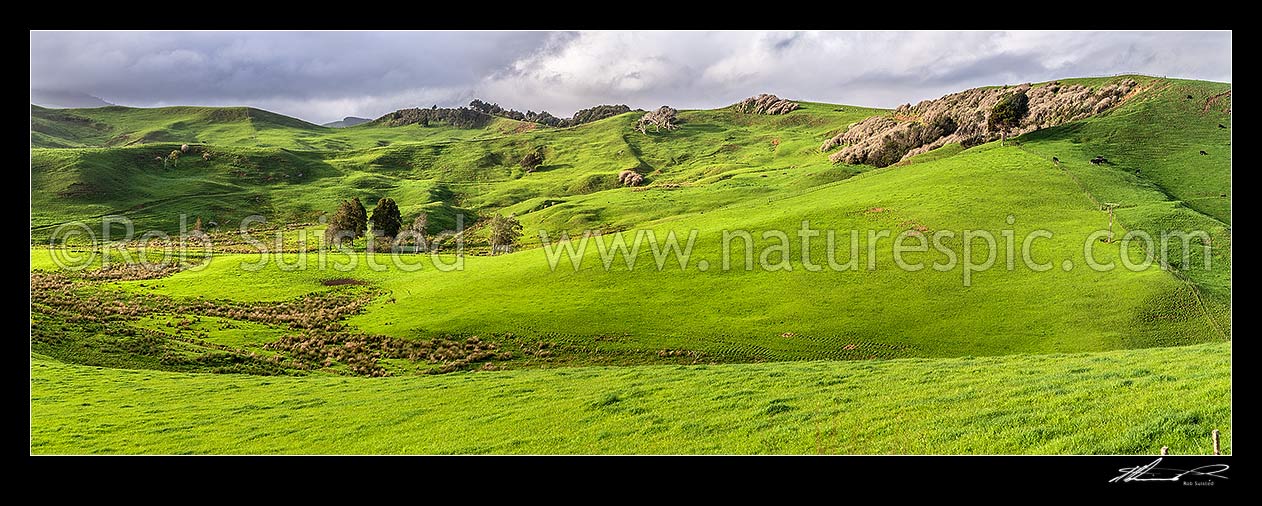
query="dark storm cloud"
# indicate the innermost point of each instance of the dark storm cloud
(322, 76)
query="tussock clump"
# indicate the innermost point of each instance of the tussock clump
(361, 353)
(343, 281)
(961, 118)
(766, 104)
(131, 272)
(319, 338)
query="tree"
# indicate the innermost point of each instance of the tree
(1008, 113)
(418, 230)
(532, 160)
(595, 114)
(341, 225)
(386, 220)
(505, 232)
(358, 218)
(663, 117)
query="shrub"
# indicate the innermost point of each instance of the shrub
(532, 160)
(630, 178)
(1010, 110)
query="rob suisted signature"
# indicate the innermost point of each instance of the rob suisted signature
(1151, 472)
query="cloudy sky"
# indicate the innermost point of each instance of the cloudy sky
(324, 76)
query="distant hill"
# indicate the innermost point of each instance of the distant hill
(58, 99)
(125, 126)
(117, 126)
(348, 121)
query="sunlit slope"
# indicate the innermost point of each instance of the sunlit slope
(1157, 176)
(759, 314)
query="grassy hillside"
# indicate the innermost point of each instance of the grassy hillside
(1104, 403)
(666, 357)
(1157, 175)
(720, 171)
(440, 174)
(759, 315)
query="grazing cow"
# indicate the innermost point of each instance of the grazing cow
(1203, 152)
(1220, 125)
(1099, 160)
(1056, 160)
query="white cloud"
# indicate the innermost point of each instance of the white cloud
(322, 76)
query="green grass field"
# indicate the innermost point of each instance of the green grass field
(686, 358)
(1127, 402)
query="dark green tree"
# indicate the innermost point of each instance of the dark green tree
(1007, 114)
(358, 218)
(386, 220)
(341, 225)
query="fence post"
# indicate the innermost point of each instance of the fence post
(1215, 436)
(1165, 450)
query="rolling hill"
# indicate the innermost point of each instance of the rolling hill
(576, 306)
